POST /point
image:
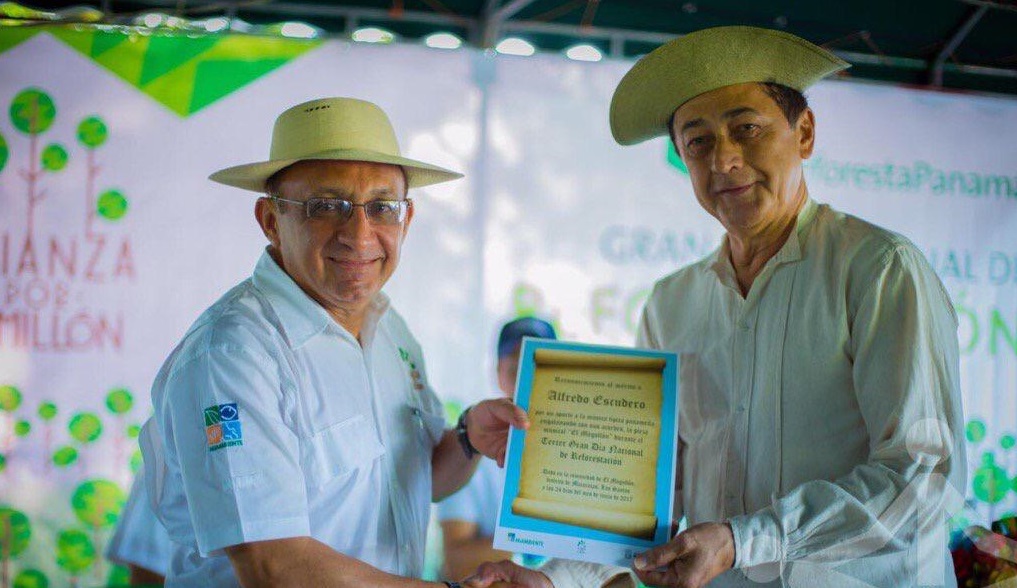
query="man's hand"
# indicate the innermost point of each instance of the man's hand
(690, 560)
(488, 423)
(506, 574)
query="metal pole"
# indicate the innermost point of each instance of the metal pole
(954, 43)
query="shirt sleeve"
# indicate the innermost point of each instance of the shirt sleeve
(140, 539)
(579, 574)
(905, 369)
(238, 459)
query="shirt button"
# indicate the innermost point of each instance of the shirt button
(744, 326)
(741, 408)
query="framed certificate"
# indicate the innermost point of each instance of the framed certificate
(593, 477)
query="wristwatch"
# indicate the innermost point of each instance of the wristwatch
(464, 441)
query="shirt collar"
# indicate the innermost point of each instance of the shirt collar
(300, 315)
(720, 261)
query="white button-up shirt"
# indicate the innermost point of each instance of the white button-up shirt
(140, 538)
(815, 412)
(273, 421)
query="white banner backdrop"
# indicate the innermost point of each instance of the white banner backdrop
(112, 241)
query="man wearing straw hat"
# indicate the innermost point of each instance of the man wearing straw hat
(820, 416)
(296, 441)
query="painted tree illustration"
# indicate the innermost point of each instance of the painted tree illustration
(15, 534)
(54, 158)
(47, 411)
(4, 152)
(991, 484)
(65, 456)
(10, 400)
(32, 112)
(75, 553)
(98, 504)
(111, 205)
(31, 578)
(92, 134)
(119, 401)
(85, 428)
(22, 428)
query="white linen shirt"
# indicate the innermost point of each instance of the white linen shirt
(139, 538)
(804, 409)
(335, 436)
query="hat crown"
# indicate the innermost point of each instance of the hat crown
(702, 61)
(332, 124)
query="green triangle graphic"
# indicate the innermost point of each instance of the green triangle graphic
(103, 43)
(11, 37)
(184, 73)
(168, 53)
(216, 79)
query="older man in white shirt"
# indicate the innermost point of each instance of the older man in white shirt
(820, 417)
(296, 441)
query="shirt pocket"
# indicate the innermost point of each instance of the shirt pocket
(341, 449)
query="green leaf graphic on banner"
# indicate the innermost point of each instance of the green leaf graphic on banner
(137, 460)
(47, 410)
(92, 132)
(65, 456)
(74, 551)
(103, 43)
(171, 68)
(990, 484)
(11, 37)
(119, 576)
(5, 152)
(10, 398)
(215, 79)
(98, 503)
(31, 579)
(54, 158)
(166, 54)
(1007, 441)
(119, 400)
(975, 431)
(85, 427)
(111, 205)
(22, 428)
(16, 540)
(133, 431)
(3, 462)
(32, 111)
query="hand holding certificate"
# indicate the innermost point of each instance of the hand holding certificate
(593, 477)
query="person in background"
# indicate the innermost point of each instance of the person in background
(140, 542)
(468, 517)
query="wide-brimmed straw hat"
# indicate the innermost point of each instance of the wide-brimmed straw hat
(706, 60)
(340, 129)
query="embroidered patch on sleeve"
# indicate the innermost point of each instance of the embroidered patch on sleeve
(222, 426)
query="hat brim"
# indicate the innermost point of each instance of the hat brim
(706, 60)
(252, 176)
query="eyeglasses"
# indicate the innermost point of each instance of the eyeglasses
(379, 212)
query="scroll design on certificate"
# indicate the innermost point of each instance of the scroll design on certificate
(590, 454)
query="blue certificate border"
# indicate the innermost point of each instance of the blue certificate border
(665, 455)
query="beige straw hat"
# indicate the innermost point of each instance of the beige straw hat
(705, 60)
(342, 129)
